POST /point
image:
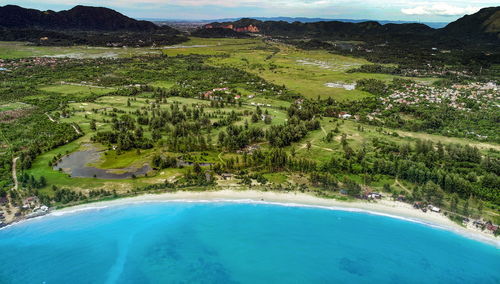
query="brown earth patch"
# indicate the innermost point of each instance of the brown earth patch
(11, 115)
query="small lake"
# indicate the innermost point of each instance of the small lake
(77, 165)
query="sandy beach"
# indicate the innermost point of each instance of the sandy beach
(388, 208)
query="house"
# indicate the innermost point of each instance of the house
(344, 115)
(491, 227)
(227, 176)
(251, 96)
(374, 195)
(248, 149)
(434, 208)
(237, 97)
(30, 201)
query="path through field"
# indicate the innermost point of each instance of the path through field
(76, 129)
(14, 173)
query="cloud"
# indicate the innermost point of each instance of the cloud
(435, 10)
(440, 9)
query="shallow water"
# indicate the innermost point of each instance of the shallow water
(76, 164)
(245, 243)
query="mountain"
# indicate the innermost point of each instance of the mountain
(434, 25)
(480, 28)
(82, 18)
(82, 25)
(324, 29)
(483, 24)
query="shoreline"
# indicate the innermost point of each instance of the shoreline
(392, 209)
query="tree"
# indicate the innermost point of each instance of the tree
(196, 168)
(329, 137)
(433, 193)
(343, 140)
(293, 152)
(353, 188)
(93, 125)
(465, 208)
(255, 118)
(454, 202)
(480, 206)
(387, 187)
(43, 181)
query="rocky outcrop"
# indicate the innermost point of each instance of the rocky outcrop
(244, 29)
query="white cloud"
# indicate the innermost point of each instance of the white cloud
(440, 9)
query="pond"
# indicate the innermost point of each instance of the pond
(77, 165)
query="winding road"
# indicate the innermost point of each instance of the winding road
(74, 127)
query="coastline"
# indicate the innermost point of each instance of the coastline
(392, 209)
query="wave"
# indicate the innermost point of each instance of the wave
(125, 202)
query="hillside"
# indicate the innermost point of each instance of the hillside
(82, 25)
(481, 27)
(324, 29)
(218, 33)
(483, 24)
(78, 18)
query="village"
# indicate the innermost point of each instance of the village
(464, 97)
(30, 208)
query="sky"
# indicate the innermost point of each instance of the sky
(406, 10)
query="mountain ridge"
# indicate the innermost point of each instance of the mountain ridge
(434, 25)
(481, 27)
(80, 17)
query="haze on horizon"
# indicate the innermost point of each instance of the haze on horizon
(405, 10)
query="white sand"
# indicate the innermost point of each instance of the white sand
(392, 209)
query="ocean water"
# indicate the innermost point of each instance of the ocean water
(181, 242)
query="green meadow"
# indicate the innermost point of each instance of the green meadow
(13, 50)
(302, 71)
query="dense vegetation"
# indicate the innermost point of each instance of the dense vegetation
(200, 125)
(82, 25)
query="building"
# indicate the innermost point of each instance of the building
(344, 115)
(434, 208)
(227, 176)
(374, 195)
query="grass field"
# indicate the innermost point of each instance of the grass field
(12, 50)
(14, 106)
(67, 89)
(321, 151)
(84, 112)
(305, 72)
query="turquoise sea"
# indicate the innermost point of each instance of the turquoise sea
(182, 242)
